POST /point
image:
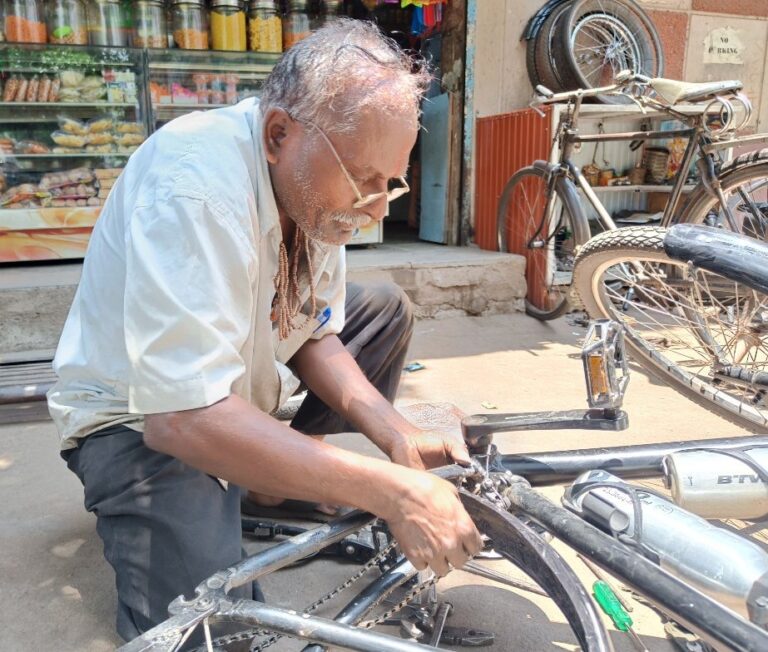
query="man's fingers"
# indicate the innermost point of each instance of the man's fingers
(459, 454)
(440, 566)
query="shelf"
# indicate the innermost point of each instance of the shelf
(642, 188)
(4, 157)
(60, 105)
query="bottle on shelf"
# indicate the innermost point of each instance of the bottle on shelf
(24, 21)
(265, 28)
(105, 23)
(190, 24)
(296, 23)
(228, 30)
(326, 10)
(149, 24)
(67, 23)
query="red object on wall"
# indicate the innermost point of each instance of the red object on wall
(673, 32)
(505, 143)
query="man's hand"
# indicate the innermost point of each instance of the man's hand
(431, 525)
(427, 449)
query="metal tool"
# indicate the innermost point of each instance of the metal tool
(610, 604)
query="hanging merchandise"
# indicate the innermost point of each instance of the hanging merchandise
(105, 23)
(427, 15)
(149, 24)
(190, 24)
(265, 29)
(24, 21)
(228, 30)
(67, 22)
(296, 23)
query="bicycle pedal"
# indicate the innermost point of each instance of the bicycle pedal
(466, 637)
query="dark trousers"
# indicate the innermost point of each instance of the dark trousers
(167, 526)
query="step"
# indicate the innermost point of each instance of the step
(441, 281)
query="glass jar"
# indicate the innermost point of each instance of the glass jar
(296, 23)
(149, 24)
(67, 22)
(105, 23)
(228, 25)
(190, 24)
(25, 21)
(265, 29)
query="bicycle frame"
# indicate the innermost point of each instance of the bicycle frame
(570, 139)
(511, 536)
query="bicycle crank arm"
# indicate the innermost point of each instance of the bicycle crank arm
(476, 427)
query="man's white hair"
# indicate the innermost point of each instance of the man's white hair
(341, 70)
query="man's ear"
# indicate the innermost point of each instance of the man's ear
(277, 126)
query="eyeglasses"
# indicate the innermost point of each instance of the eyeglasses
(392, 193)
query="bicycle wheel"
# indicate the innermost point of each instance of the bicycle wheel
(541, 62)
(599, 38)
(745, 185)
(685, 325)
(546, 233)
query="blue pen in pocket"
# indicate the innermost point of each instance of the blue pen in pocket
(322, 319)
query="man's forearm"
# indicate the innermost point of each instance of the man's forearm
(235, 441)
(328, 369)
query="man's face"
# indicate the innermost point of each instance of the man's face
(310, 185)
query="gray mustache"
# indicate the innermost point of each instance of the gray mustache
(353, 221)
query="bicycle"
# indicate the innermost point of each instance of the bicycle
(497, 492)
(694, 308)
(540, 214)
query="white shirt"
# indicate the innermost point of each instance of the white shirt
(173, 307)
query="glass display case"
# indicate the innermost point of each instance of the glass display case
(70, 117)
(181, 81)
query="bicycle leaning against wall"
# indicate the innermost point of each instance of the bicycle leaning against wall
(541, 215)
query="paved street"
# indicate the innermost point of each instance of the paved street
(58, 591)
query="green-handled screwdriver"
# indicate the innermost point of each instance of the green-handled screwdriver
(610, 604)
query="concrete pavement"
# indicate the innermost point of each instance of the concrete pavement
(57, 591)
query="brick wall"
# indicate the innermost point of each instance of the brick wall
(683, 27)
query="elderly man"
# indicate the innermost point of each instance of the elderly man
(215, 278)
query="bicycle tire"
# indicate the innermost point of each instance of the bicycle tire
(614, 22)
(663, 341)
(541, 64)
(548, 289)
(748, 172)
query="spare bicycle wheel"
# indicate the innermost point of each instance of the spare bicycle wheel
(598, 38)
(689, 327)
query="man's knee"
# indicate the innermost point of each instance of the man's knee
(384, 298)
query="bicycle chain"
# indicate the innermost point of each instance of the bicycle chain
(488, 489)
(227, 639)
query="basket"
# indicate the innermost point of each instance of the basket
(655, 162)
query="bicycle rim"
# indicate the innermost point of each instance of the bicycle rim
(746, 192)
(547, 241)
(683, 324)
(598, 38)
(602, 46)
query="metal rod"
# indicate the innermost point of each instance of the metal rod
(317, 630)
(701, 614)
(603, 576)
(640, 461)
(359, 607)
(481, 571)
(677, 190)
(634, 135)
(295, 549)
